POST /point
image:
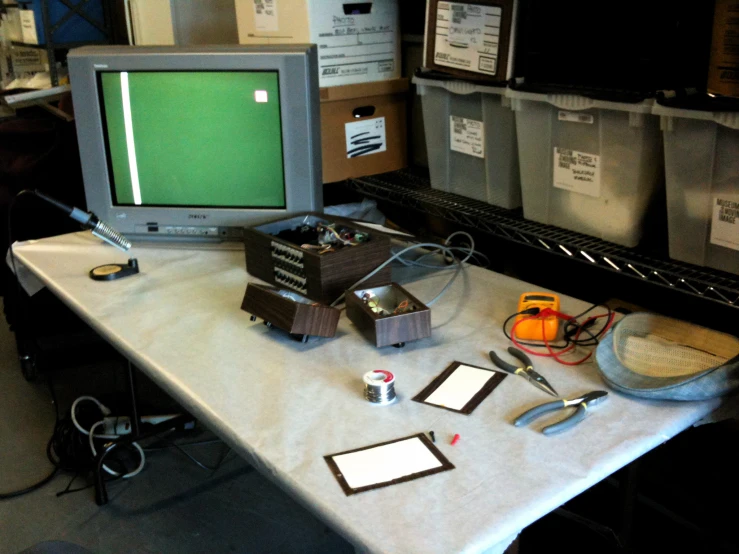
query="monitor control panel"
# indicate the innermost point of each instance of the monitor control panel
(193, 231)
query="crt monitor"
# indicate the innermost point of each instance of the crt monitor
(197, 143)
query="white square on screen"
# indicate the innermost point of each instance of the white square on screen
(260, 96)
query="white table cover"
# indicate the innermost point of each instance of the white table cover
(283, 405)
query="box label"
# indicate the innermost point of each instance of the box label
(575, 117)
(356, 42)
(28, 27)
(467, 136)
(467, 36)
(725, 223)
(265, 15)
(29, 60)
(577, 171)
(365, 137)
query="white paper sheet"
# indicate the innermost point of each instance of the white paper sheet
(577, 171)
(365, 137)
(459, 388)
(725, 223)
(385, 463)
(467, 136)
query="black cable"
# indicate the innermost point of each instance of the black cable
(192, 458)
(593, 337)
(35, 486)
(173, 445)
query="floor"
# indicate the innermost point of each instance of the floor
(172, 506)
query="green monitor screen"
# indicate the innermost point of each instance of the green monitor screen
(196, 138)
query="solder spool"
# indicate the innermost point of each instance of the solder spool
(379, 386)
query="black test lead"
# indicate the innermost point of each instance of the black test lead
(433, 437)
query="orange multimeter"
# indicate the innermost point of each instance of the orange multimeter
(531, 329)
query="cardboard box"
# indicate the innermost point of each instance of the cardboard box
(363, 129)
(473, 40)
(152, 22)
(163, 22)
(723, 72)
(357, 42)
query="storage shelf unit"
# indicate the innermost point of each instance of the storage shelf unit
(75, 9)
(414, 192)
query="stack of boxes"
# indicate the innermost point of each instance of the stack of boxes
(701, 141)
(547, 105)
(363, 98)
(469, 126)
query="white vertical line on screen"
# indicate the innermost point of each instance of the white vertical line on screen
(130, 144)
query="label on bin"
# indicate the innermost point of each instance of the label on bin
(577, 171)
(467, 136)
(265, 15)
(365, 137)
(725, 224)
(467, 36)
(575, 117)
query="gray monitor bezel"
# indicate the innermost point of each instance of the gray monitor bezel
(296, 66)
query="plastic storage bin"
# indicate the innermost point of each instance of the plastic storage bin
(471, 140)
(74, 29)
(702, 171)
(590, 166)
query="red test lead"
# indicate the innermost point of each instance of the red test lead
(455, 440)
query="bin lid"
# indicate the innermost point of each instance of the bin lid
(574, 102)
(455, 86)
(727, 119)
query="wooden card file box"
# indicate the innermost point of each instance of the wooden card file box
(320, 277)
(290, 311)
(388, 315)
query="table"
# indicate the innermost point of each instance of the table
(283, 405)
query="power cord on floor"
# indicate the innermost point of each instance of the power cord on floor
(71, 449)
(91, 436)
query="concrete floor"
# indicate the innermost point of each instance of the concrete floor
(172, 506)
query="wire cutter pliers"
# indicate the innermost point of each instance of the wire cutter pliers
(527, 371)
(583, 403)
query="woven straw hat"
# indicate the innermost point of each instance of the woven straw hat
(656, 357)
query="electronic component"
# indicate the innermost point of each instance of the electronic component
(388, 315)
(317, 256)
(290, 311)
(574, 329)
(90, 221)
(531, 303)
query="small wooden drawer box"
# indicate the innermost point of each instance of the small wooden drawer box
(290, 312)
(276, 254)
(388, 315)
